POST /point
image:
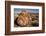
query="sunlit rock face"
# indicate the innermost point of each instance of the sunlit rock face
(24, 19)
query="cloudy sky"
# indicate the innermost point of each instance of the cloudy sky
(18, 10)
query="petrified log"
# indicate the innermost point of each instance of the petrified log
(24, 19)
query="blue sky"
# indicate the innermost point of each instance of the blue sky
(28, 10)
